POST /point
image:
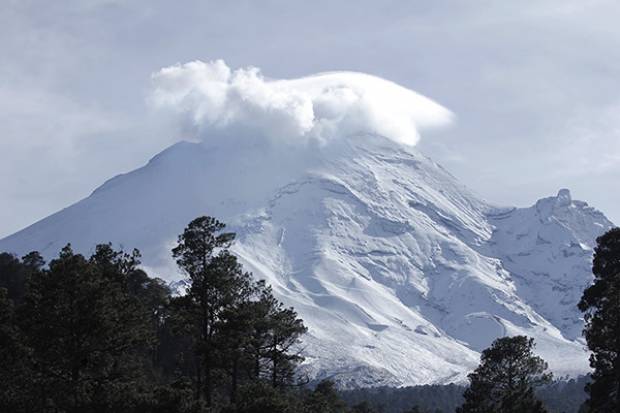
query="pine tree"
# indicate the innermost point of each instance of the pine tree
(505, 380)
(324, 399)
(601, 304)
(274, 331)
(217, 284)
(84, 333)
(151, 295)
(14, 273)
(240, 333)
(285, 330)
(260, 329)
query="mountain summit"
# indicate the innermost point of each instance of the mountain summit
(401, 273)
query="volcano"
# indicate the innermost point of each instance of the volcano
(401, 273)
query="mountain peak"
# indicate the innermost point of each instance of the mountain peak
(564, 197)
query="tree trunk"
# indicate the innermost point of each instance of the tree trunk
(234, 378)
(75, 375)
(198, 379)
(208, 384)
(257, 365)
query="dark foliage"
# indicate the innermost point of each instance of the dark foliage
(325, 399)
(12, 356)
(564, 396)
(364, 407)
(98, 334)
(14, 273)
(238, 331)
(85, 332)
(561, 396)
(505, 380)
(423, 399)
(601, 304)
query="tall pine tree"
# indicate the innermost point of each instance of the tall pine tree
(217, 284)
(601, 304)
(241, 334)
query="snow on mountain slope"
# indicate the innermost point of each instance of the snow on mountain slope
(547, 249)
(401, 274)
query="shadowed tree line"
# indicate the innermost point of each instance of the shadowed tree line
(560, 396)
(97, 334)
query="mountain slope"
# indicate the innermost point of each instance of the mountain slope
(400, 272)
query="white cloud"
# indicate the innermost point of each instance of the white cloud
(222, 102)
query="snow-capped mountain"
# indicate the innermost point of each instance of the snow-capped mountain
(401, 273)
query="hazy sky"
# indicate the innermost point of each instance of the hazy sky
(534, 85)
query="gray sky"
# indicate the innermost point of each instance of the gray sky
(534, 85)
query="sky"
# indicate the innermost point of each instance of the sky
(532, 85)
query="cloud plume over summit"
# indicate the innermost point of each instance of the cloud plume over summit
(219, 101)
